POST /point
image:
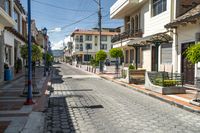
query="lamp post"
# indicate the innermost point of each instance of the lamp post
(44, 32)
(29, 100)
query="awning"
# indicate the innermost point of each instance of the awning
(156, 38)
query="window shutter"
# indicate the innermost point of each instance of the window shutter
(197, 37)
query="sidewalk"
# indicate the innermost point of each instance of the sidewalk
(14, 115)
(179, 100)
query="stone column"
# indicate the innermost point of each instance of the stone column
(1, 56)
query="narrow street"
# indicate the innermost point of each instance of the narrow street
(86, 103)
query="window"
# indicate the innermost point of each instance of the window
(104, 46)
(88, 46)
(166, 53)
(88, 38)
(81, 38)
(159, 6)
(17, 20)
(81, 47)
(104, 38)
(77, 46)
(7, 7)
(87, 57)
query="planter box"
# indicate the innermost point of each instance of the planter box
(163, 90)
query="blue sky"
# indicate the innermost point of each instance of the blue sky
(54, 14)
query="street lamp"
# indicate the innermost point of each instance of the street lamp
(29, 100)
(44, 32)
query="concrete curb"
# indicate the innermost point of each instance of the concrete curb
(187, 108)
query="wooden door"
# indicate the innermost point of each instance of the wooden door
(187, 67)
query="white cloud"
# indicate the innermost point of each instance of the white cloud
(58, 45)
(55, 30)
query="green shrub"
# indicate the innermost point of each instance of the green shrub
(131, 67)
(116, 53)
(165, 83)
(101, 55)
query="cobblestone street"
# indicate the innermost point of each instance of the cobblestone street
(86, 103)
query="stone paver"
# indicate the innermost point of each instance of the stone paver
(95, 105)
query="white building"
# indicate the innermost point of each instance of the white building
(186, 31)
(13, 32)
(150, 44)
(86, 43)
(144, 31)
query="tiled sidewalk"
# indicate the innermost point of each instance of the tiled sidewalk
(179, 100)
(13, 113)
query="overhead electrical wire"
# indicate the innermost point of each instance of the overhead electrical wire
(58, 7)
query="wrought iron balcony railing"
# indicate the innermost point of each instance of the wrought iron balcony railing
(127, 34)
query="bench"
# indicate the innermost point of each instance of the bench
(137, 76)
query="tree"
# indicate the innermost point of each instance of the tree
(49, 58)
(36, 52)
(101, 55)
(116, 53)
(193, 53)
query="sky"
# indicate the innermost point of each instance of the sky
(59, 16)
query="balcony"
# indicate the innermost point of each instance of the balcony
(127, 35)
(122, 8)
(5, 19)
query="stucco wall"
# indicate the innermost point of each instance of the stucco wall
(186, 34)
(155, 24)
(146, 59)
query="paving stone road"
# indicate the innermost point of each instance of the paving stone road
(88, 104)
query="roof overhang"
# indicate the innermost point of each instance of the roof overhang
(122, 8)
(5, 19)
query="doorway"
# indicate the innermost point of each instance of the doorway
(187, 68)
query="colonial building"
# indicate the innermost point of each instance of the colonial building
(6, 20)
(186, 31)
(145, 41)
(14, 31)
(86, 43)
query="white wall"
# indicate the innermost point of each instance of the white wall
(9, 41)
(155, 24)
(146, 55)
(186, 34)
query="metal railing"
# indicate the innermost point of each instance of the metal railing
(127, 34)
(166, 79)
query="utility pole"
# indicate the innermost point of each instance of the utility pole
(100, 18)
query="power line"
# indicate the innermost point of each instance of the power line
(58, 7)
(77, 21)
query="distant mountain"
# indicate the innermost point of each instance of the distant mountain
(57, 53)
